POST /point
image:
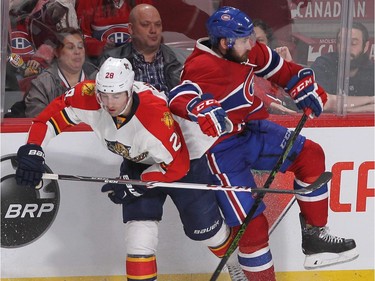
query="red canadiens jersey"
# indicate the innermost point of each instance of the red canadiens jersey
(230, 83)
(149, 135)
(100, 23)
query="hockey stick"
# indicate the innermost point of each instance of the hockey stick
(281, 217)
(232, 247)
(308, 189)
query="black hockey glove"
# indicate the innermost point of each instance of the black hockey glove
(123, 193)
(30, 159)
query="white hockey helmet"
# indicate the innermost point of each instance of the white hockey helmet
(115, 76)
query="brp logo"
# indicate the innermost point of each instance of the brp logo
(26, 213)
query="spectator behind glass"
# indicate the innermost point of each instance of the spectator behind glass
(21, 42)
(274, 97)
(67, 69)
(153, 62)
(105, 22)
(361, 77)
(33, 28)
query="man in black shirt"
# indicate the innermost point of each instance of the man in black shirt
(361, 78)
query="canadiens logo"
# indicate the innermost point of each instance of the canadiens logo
(88, 89)
(248, 88)
(118, 34)
(21, 43)
(168, 119)
(226, 17)
(124, 151)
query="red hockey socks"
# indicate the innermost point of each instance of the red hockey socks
(141, 268)
(220, 250)
(308, 166)
(254, 254)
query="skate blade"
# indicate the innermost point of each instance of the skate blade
(327, 259)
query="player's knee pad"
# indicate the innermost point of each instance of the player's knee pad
(141, 237)
(310, 163)
(219, 238)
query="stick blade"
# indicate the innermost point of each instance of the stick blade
(322, 180)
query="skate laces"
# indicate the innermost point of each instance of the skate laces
(329, 238)
(235, 272)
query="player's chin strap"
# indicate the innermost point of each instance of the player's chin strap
(260, 196)
(323, 179)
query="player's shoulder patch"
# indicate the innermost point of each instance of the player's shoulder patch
(88, 88)
(167, 119)
(83, 96)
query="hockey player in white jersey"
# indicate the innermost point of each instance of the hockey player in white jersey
(133, 120)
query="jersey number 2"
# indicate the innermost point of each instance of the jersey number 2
(175, 140)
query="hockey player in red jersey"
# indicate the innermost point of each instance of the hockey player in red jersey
(133, 120)
(217, 93)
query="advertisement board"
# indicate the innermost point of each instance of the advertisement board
(72, 229)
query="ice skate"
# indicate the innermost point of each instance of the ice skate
(236, 273)
(323, 249)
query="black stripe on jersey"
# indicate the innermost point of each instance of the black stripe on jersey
(54, 126)
(66, 117)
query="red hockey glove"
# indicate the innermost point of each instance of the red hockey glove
(307, 94)
(209, 114)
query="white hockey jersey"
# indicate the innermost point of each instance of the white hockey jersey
(148, 135)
